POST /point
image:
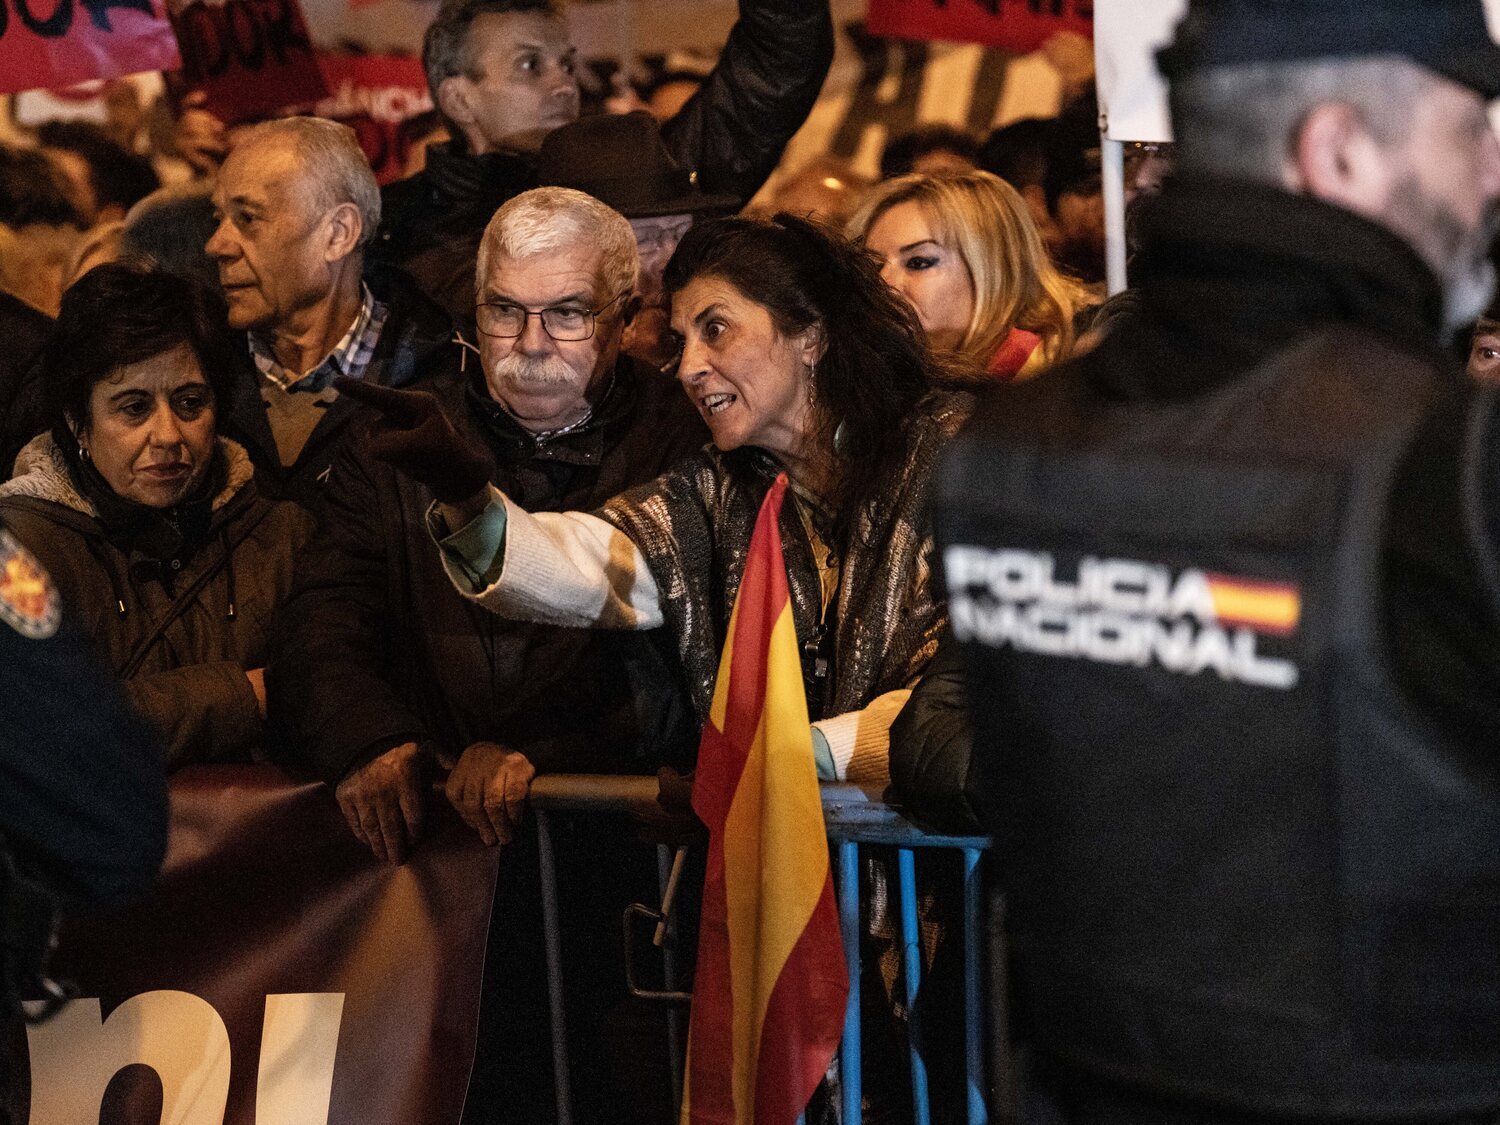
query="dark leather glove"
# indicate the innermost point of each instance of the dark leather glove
(414, 436)
(674, 791)
(672, 821)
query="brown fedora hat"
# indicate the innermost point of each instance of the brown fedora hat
(620, 159)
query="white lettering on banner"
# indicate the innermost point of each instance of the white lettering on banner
(386, 104)
(297, 1049)
(76, 1053)
(1122, 612)
(180, 1036)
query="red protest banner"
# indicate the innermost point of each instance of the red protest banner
(251, 57)
(1016, 25)
(276, 973)
(48, 44)
(373, 94)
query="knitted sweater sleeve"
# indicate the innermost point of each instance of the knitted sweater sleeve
(554, 568)
(859, 742)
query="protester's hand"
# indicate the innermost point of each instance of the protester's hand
(382, 802)
(257, 678)
(489, 787)
(673, 820)
(200, 138)
(414, 436)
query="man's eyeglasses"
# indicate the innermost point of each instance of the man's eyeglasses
(564, 323)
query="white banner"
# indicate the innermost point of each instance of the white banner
(1132, 94)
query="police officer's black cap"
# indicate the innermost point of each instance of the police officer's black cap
(1449, 37)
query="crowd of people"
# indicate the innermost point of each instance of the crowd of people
(453, 482)
(283, 284)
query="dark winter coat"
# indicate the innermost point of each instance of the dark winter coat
(83, 803)
(1225, 904)
(380, 649)
(85, 808)
(165, 627)
(932, 744)
(413, 345)
(731, 132)
(1218, 299)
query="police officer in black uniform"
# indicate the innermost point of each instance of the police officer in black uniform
(83, 805)
(1226, 590)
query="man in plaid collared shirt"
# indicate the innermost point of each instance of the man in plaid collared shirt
(297, 205)
(296, 403)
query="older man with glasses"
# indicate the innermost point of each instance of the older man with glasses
(387, 676)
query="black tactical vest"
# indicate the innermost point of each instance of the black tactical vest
(1241, 868)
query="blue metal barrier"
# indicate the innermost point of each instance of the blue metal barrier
(851, 1076)
(854, 816)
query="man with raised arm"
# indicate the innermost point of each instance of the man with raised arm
(502, 74)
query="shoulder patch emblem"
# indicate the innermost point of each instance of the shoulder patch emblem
(28, 600)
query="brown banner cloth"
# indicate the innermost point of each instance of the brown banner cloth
(265, 893)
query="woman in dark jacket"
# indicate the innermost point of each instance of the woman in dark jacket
(147, 520)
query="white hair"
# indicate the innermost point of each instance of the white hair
(548, 219)
(337, 169)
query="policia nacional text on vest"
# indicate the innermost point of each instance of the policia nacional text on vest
(1241, 870)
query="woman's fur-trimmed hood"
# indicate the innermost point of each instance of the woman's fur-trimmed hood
(42, 473)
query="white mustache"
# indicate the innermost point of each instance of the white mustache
(535, 373)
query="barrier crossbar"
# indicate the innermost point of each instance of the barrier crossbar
(854, 816)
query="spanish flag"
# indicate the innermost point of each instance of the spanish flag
(1267, 607)
(771, 983)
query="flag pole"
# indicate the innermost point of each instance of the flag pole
(1112, 165)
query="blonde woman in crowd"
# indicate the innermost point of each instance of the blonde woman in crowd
(964, 251)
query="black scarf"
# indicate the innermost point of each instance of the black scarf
(153, 538)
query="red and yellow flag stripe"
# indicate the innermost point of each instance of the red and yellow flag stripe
(771, 983)
(1268, 607)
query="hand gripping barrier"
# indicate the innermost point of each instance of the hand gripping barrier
(854, 816)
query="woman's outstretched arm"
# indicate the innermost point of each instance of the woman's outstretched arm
(555, 568)
(566, 569)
